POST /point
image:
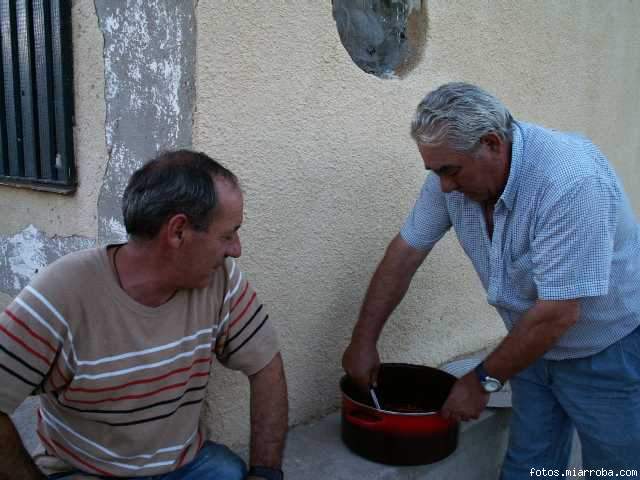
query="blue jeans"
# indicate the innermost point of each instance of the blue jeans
(213, 462)
(599, 396)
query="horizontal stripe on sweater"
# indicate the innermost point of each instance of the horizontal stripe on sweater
(133, 410)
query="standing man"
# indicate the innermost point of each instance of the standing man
(119, 341)
(553, 238)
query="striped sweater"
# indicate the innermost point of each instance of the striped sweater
(121, 384)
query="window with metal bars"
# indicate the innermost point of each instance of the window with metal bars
(36, 98)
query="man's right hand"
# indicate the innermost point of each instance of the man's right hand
(15, 462)
(362, 363)
(386, 289)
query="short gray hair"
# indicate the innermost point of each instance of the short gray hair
(460, 114)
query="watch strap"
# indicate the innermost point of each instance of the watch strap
(268, 473)
(481, 373)
(490, 384)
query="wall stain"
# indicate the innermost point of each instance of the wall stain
(385, 38)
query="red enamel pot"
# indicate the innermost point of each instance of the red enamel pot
(408, 429)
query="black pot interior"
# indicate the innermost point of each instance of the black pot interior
(405, 388)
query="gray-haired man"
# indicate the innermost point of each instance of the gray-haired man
(552, 235)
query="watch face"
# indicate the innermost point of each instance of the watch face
(491, 385)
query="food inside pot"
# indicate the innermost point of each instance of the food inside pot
(405, 390)
(401, 408)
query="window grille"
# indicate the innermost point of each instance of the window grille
(36, 98)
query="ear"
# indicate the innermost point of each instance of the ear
(176, 230)
(493, 142)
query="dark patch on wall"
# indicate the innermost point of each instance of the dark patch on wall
(383, 37)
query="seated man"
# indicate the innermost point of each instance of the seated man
(118, 341)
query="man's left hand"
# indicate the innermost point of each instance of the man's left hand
(467, 399)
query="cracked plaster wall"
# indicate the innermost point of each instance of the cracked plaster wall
(149, 56)
(26, 252)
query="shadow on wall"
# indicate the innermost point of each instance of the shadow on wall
(383, 37)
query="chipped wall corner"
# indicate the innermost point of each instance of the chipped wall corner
(25, 253)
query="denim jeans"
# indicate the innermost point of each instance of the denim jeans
(599, 396)
(213, 462)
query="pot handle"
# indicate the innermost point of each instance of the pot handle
(362, 419)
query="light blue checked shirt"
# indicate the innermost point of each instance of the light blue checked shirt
(563, 229)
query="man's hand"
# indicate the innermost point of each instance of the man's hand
(467, 399)
(362, 363)
(387, 288)
(15, 462)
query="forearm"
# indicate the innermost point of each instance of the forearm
(387, 288)
(15, 461)
(534, 334)
(269, 414)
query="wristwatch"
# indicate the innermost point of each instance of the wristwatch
(490, 384)
(267, 473)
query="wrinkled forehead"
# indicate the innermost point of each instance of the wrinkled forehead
(436, 157)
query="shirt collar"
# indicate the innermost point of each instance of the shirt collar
(509, 193)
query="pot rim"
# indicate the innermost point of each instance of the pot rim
(391, 412)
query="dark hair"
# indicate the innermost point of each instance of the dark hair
(174, 182)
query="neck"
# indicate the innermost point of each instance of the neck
(507, 168)
(504, 178)
(141, 276)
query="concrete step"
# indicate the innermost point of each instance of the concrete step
(316, 452)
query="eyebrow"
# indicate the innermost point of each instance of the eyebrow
(443, 169)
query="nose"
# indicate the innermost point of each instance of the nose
(235, 248)
(447, 184)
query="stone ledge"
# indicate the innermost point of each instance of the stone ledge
(316, 451)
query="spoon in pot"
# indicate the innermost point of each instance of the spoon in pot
(374, 397)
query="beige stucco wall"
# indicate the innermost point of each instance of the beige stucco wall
(330, 171)
(71, 214)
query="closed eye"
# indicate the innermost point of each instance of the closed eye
(447, 171)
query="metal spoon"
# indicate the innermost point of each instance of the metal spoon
(374, 397)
